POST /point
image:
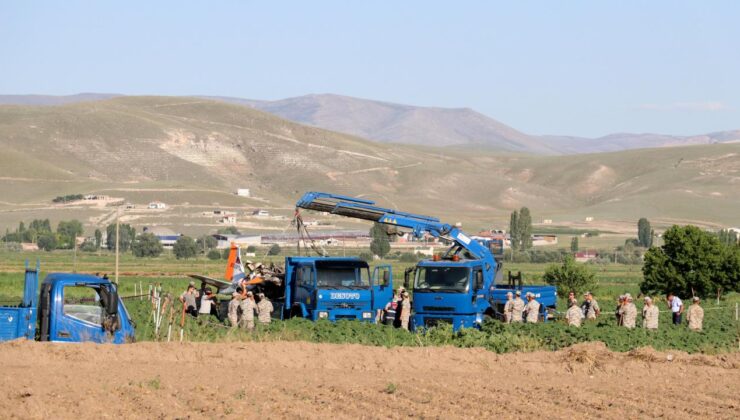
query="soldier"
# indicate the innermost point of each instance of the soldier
(517, 307)
(405, 310)
(234, 308)
(264, 309)
(508, 307)
(650, 314)
(590, 306)
(619, 310)
(571, 297)
(695, 315)
(629, 313)
(248, 306)
(574, 314)
(532, 308)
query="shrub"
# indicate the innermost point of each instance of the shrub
(214, 255)
(408, 257)
(147, 245)
(185, 247)
(47, 242)
(569, 276)
(365, 256)
(274, 250)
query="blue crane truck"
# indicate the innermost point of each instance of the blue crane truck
(463, 287)
(69, 308)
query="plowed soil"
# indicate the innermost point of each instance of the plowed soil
(294, 379)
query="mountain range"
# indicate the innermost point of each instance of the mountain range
(429, 126)
(194, 152)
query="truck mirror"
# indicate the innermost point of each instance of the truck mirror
(386, 278)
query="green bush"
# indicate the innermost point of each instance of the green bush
(185, 247)
(274, 250)
(214, 255)
(147, 245)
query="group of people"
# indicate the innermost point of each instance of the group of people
(515, 310)
(626, 311)
(398, 311)
(242, 309)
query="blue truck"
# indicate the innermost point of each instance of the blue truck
(463, 287)
(334, 288)
(68, 308)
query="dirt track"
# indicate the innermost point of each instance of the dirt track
(284, 379)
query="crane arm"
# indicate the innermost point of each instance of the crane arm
(358, 208)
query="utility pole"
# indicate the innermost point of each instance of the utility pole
(74, 253)
(118, 239)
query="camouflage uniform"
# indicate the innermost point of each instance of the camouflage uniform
(264, 309)
(574, 316)
(650, 315)
(508, 308)
(405, 313)
(695, 317)
(247, 320)
(629, 315)
(533, 311)
(592, 309)
(233, 312)
(516, 309)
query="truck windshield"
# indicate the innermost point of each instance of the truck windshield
(343, 277)
(442, 279)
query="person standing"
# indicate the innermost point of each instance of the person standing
(189, 300)
(695, 315)
(629, 313)
(390, 309)
(590, 306)
(405, 310)
(650, 315)
(619, 311)
(532, 308)
(517, 307)
(248, 307)
(676, 305)
(208, 304)
(508, 307)
(264, 309)
(574, 315)
(234, 308)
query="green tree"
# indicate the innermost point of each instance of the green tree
(691, 261)
(251, 248)
(644, 233)
(570, 276)
(47, 242)
(514, 230)
(574, 244)
(210, 243)
(185, 247)
(380, 244)
(98, 238)
(230, 230)
(214, 255)
(68, 231)
(727, 237)
(274, 250)
(147, 245)
(525, 229)
(128, 234)
(88, 246)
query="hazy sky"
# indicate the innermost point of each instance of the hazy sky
(544, 67)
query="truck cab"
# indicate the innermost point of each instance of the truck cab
(335, 288)
(458, 293)
(69, 308)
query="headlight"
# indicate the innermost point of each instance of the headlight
(478, 319)
(367, 315)
(323, 315)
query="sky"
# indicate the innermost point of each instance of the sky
(585, 68)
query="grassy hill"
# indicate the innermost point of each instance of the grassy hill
(194, 153)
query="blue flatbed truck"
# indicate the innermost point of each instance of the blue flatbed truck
(69, 308)
(463, 287)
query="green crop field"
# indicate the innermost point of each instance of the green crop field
(721, 330)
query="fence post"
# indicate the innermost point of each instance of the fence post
(737, 312)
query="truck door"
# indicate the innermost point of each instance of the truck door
(382, 286)
(302, 290)
(80, 316)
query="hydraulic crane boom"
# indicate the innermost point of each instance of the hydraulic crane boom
(419, 224)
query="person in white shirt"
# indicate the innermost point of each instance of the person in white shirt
(208, 304)
(676, 306)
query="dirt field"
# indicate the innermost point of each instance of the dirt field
(282, 379)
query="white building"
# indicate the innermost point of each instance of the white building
(225, 240)
(242, 192)
(157, 205)
(228, 220)
(261, 213)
